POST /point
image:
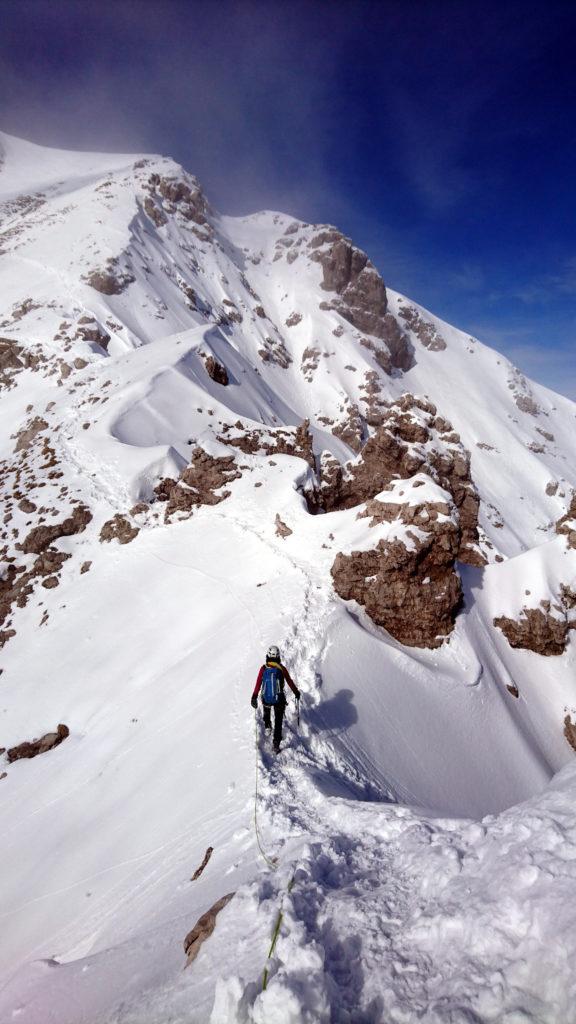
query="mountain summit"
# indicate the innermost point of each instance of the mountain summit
(222, 432)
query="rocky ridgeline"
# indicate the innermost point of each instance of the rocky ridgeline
(296, 441)
(545, 629)
(360, 297)
(412, 439)
(202, 482)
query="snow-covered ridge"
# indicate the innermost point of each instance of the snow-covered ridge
(177, 388)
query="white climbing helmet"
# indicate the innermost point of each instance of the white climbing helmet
(273, 653)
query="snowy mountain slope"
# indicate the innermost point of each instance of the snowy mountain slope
(140, 329)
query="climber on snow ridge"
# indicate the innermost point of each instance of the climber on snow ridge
(270, 681)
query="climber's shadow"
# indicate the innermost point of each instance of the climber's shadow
(334, 715)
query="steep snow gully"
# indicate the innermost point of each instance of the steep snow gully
(179, 382)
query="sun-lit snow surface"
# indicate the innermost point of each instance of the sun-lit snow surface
(402, 906)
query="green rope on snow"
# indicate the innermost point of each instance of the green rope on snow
(270, 861)
(275, 935)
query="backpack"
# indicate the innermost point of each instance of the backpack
(272, 681)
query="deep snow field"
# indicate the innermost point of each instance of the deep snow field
(417, 832)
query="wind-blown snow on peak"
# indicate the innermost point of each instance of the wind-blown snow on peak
(219, 433)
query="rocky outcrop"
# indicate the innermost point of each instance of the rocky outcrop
(407, 582)
(26, 436)
(201, 483)
(13, 358)
(423, 329)
(183, 196)
(41, 537)
(566, 525)
(88, 329)
(34, 747)
(295, 441)
(216, 371)
(282, 530)
(203, 928)
(17, 585)
(407, 585)
(570, 731)
(18, 582)
(412, 438)
(309, 362)
(200, 868)
(111, 280)
(351, 429)
(274, 351)
(118, 528)
(543, 630)
(360, 295)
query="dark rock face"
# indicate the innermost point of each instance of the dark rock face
(216, 371)
(361, 296)
(412, 438)
(118, 528)
(203, 928)
(413, 591)
(198, 484)
(537, 630)
(35, 747)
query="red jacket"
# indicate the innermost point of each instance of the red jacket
(287, 679)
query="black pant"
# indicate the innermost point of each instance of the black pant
(279, 709)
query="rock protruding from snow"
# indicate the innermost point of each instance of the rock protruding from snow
(567, 523)
(360, 295)
(41, 537)
(118, 528)
(32, 748)
(412, 439)
(296, 441)
(424, 330)
(203, 928)
(216, 371)
(407, 583)
(542, 630)
(201, 483)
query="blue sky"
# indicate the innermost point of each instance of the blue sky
(439, 135)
